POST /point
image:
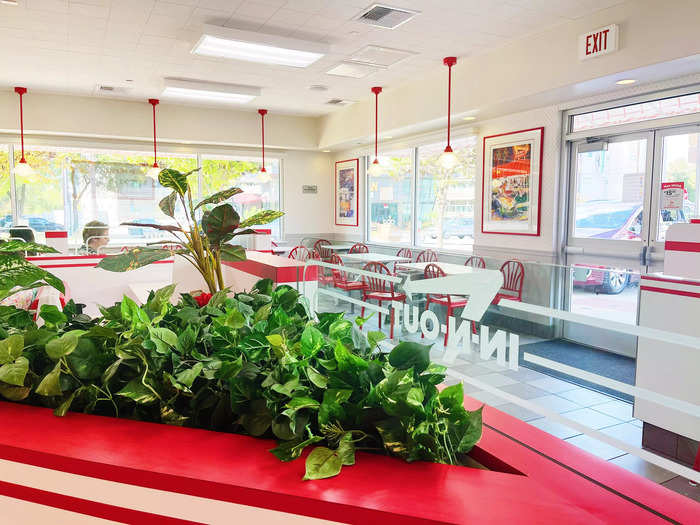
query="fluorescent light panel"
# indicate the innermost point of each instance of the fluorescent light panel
(209, 91)
(258, 47)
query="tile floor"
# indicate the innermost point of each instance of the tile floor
(596, 410)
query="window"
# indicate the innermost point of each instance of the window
(445, 214)
(654, 109)
(260, 190)
(390, 201)
(414, 193)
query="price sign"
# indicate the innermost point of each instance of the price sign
(672, 195)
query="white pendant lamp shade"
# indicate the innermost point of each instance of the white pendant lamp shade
(376, 168)
(448, 159)
(22, 168)
(154, 170)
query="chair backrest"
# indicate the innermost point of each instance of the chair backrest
(433, 271)
(404, 252)
(273, 244)
(372, 284)
(325, 253)
(427, 256)
(338, 275)
(475, 262)
(300, 253)
(513, 277)
(359, 247)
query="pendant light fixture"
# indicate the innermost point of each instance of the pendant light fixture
(263, 177)
(448, 159)
(154, 170)
(375, 168)
(22, 168)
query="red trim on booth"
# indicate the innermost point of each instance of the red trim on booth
(682, 246)
(263, 231)
(666, 280)
(87, 507)
(669, 291)
(56, 235)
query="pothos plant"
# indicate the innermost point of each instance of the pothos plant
(205, 242)
(17, 273)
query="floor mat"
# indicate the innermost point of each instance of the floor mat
(592, 360)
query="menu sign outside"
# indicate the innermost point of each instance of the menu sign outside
(598, 42)
(672, 195)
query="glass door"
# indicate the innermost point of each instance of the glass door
(675, 195)
(608, 236)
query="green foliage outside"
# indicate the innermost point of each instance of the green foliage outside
(257, 364)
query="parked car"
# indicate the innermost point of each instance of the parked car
(460, 228)
(609, 220)
(601, 278)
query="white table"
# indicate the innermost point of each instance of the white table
(279, 249)
(337, 247)
(372, 257)
(448, 268)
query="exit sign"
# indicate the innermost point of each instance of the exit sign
(598, 42)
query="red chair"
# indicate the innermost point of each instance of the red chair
(300, 253)
(359, 247)
(475, 262)
(513, 277)
(427, 256)
(380, 291)
(451, 302)
(403, 252)
(325, 253)
(340, 277)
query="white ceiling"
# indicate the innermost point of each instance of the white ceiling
(70, 46)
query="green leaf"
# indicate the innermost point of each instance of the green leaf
(286, 389)
(162, 227)
(263, 313)
(290, 450)
(407, 355)
(297, 403)
(275, 340)
(16, 271)
(14, 393)
(346, 449)
(174, 180)
(234, 319)
(232, 253)
(264, 286)
(87, 361)
(220, 223)
(160, 299)
(164, 339)
(452, 396)
(375, 337)
(110, 371)
(50, 385)
(61, 409)
(133, 259)
(11, 348)
(14, 373)
(52, 315)
(473, 434)
(331, 408)
(167, 204)
(64, 345)
(187, 377)
(311, 341)
(230, 369)
(17, 246)
(258, 419)
(262, 217)
(137, 391)
(347, 361)
(341, 331)
(219, 196)
(322, 463)
(316, 377)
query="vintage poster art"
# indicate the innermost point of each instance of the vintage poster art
(511, 189)
(346, 192)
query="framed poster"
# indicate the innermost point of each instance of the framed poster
(511, 183)
(346, 192)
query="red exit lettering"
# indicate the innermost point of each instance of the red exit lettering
(597, 42)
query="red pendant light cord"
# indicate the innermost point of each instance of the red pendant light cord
(21, 91)
(154, 102)
(376, 90)
(262, 113)
(449, 62)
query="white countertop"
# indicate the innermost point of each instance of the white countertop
(372, 257)
(448, 268)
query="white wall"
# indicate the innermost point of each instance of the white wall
(307, 213)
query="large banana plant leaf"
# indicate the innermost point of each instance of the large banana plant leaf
(220, 223)
(175, 180)
(219, 197)
(17, 246)
(133, 259)
(262, 217)
(162, 227)
(16, 273)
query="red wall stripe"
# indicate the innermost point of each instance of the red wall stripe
(666, 280)
(670, 292)
(682, 246)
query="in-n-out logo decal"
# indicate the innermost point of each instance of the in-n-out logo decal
(481, 286)
(461, 339)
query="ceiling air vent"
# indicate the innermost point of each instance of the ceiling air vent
(381, 15)
(109, 90)
(339, 102)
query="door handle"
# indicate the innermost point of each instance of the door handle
(643, 256)
(577, 250)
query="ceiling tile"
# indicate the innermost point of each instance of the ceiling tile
(90, 10)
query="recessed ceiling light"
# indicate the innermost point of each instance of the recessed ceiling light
(258, 47)
(318, 87)
(9, 2)
(625, 81)
(326, 151)
(388, 136)
(209, 91)
(353, 69)
(469, 118)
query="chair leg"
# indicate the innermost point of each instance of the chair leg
(391, 329)
(447, 331)
(379, 316)
(427, 307)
